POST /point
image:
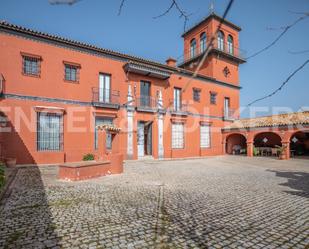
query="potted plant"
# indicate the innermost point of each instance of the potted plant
(88, 157)
(10, 162)
(256, 152)
(282, 152)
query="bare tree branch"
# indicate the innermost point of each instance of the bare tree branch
(183, 14)
(282, 85)
(121, 7)
(299, 52)
(285, 29)
(69, 2)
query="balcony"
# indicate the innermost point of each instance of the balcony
(105, 98)
(179, 109)
(146, 104)
(224, 49)
(230, 114)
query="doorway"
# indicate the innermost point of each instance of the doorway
(144, 139)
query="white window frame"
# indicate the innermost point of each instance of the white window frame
(205, 136)
(177, 99)
(49, 131)
(178, 135)
(193, 48)
(104, 88)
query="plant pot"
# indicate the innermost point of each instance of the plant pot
(282, 157)
(10, 162)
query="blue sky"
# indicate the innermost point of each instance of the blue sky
(136, 32)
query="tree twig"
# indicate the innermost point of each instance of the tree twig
(69, 2)
(121, 7)
(299, 52)
(285, 29)
(282, 85)
(183, 14)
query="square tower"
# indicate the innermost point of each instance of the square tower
(224, 55)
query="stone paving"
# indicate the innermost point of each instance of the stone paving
(222, 202)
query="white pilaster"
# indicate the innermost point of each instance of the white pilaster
(130, 114)
(160, 126)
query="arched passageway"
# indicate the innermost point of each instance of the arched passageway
(299, 144)
(236, 144)
(266, 144)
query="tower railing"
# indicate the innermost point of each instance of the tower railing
(223, 47)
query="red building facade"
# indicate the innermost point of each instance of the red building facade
(55, 91)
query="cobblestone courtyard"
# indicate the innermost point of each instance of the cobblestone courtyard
(223, 202)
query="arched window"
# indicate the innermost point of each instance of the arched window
(193, 48)
(203, 40)
(220, 40)
(230, 45)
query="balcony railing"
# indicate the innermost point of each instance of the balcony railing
(178, 108)
(102, 97)
(226, 48)
(230, 114)
(146, 103)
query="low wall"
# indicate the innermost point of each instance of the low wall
(91, 169)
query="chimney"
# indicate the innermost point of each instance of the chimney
(171, 62)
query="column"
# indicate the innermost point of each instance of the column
(286, 151)
(130, 115)
(223, 145)
(160, 126)
(250, 148)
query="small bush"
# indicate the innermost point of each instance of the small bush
(2, 175)
(88, 157)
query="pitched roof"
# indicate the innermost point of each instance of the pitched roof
(215, 16)
(80, 45)
(286, 119)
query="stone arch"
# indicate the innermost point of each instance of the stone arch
(299, 143)
(236, 143)
(267, 139)
(265, 142)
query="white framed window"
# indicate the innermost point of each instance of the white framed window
(192, 48)
(49, 132)
(220, 40)
(230, 44)
(101, 121)
(205, 136)
(203, 42)
(104, 88)
(177, 99)
(177, 136)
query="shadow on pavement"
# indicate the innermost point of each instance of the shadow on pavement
(25, 218)
(297, 181)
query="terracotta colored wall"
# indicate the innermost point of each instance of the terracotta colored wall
(21, 142)
(235, 139)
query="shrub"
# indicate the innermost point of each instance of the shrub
(255, 151)
(2, 175)
(88, 157)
